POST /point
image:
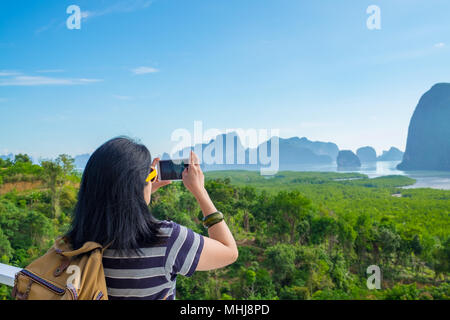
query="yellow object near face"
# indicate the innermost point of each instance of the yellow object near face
(152, 176)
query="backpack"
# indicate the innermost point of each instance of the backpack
(64, 274)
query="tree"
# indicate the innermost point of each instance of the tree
(248, 281)
(416, 246)
(5, 163)
(281, 259)
(442, 259)
(324, 227)
(247, 196)
(403, 292)
(264, 286)
(6, 251)
(294, 293)
(387, 242)
(67, 164)
(289, 209)
(363, 242)
(22, 158)
(55, 176)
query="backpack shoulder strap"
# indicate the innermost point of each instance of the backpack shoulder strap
(62, 246)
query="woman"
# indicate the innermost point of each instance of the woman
(144, 255)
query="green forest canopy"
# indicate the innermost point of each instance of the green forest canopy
(301, 235)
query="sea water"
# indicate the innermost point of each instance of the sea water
(424, 179)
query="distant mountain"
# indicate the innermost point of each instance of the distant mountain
(428, 143)
(393, 154)
(367, 154)
(81, 161)
(302, 151)
(291, 151)
(218, 159)
(320, 148)
(347, 159)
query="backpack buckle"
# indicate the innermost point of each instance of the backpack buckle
(62, 267)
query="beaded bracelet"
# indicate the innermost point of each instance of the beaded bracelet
(212, 219)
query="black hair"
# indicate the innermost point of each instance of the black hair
(111, 208)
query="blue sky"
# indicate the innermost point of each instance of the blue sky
(145, 68)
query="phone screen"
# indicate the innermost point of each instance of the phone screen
(172, 169)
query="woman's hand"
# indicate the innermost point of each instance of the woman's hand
(158, 184)
(220, 248)
(193, 178)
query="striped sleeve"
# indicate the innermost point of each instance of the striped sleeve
(184, 248)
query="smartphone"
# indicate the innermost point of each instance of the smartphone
(171, 169)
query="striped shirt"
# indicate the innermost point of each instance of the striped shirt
(152, 275)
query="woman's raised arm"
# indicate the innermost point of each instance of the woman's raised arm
(219, 249)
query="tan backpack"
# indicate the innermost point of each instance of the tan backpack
(64, 274)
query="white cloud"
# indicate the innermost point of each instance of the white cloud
(122, 6)
(24, 80)
(7, 73)
(144, 70)
(439, 45)
(52, 23)
(83, 80)
(118, 7)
